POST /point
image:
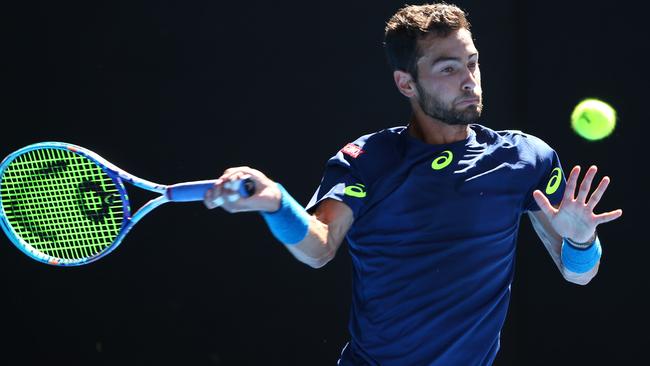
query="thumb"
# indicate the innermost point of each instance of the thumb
(544, 204)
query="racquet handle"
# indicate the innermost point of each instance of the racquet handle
(195, 191)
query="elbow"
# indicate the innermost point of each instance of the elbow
(317, 263)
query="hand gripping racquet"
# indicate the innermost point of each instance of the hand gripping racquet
(64, 205)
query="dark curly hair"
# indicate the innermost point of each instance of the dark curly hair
(414, 22)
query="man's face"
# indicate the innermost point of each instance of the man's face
(449, 79)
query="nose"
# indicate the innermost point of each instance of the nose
(470, 82)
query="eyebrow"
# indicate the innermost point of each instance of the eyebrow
(447, 58)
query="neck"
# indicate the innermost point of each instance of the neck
(433, 131)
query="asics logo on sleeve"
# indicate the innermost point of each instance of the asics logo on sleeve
(554, 182)
(358, 190)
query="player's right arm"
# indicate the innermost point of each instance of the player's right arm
(327, 226)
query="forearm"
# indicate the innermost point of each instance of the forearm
(312, 239)
(574, 277)
(317, 248)
(581, 278)
(553, 244)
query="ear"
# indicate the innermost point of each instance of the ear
(405, 83)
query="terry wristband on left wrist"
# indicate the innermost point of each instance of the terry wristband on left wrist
(580, 258)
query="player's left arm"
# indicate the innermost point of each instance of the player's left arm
(573, 218)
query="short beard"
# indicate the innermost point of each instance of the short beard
(436, 109)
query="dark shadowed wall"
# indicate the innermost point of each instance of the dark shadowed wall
(177, 91)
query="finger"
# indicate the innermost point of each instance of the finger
(234, 184)
(544, 204)
(217, 199)
(233, 197)
(213, 196)
(235, 181)
(244, 186)
(598, 193)
(230, 171)
(608, 216)
(230, 191)
(207, 199)
(585, 186)
(217, 202)
(570, 188)
(233, 176)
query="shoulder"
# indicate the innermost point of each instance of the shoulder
(380, 139)
(528, 146)
(370, 155)
(373, 146)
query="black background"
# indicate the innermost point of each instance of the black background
(177, 91)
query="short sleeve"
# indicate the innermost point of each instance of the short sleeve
(549, 177)
(341, 181)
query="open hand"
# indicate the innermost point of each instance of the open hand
(575, 218)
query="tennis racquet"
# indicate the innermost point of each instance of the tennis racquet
(64, 205)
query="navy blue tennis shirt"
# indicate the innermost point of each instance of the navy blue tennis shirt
(433, 239)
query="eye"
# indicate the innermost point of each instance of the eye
(472, 65)
(447, 70)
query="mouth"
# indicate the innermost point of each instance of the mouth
(469, 101)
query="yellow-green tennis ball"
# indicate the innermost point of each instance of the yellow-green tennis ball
(593, 119)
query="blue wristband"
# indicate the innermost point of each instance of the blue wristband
(579, 260)
(290, 223)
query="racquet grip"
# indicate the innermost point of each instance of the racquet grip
(195, 191)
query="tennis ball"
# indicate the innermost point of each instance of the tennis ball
(593, 119)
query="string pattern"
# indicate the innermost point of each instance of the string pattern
(61, 204)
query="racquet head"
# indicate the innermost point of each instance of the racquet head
(60, 205)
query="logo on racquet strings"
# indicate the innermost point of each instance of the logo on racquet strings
(29, 183)
(37, 193)
(53, 168)
(94, 201)
(21, 218)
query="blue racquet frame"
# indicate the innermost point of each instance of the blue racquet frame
(181, 192)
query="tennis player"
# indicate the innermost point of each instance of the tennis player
(431, 210)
